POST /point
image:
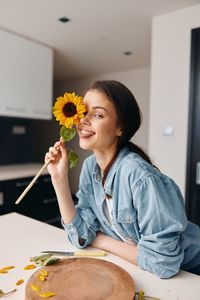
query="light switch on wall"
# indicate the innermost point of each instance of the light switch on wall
(168, 130)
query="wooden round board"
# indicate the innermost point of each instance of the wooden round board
(83, 279)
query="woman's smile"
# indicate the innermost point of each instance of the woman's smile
(83, 133)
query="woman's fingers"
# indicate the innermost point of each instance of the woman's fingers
(57, 145)
(52, 154)
(46, 158)
(60, 146)
(49, 156)
(55, 151)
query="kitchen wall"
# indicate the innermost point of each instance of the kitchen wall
(138, 81)
(169, 99)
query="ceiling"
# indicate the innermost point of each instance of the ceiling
(97, 36)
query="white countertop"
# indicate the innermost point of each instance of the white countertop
(8, 172)
(23, 237)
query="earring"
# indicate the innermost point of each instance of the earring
(119, 132)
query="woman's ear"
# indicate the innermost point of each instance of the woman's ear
(119, 132)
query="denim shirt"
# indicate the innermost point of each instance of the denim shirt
(148, 209)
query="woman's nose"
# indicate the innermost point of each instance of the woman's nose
(85, 120)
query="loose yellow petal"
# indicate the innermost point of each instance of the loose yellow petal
(20, 281)
(47, 294)
(44, 273)
(41, 277)
(29, 267)
(8, 268)
(3, 271)
(35, 287)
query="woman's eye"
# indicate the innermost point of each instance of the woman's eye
(97, 115)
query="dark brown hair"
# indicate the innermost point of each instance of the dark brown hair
(128, 114)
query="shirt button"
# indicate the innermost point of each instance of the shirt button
(107, 224)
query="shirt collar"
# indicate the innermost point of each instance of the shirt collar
(111, 174)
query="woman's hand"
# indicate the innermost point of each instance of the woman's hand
(58, 166)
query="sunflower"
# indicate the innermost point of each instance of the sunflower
(69, 109)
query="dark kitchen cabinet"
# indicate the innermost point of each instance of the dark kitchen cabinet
(39, 203)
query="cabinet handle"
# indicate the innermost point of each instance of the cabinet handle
(49, 200)
(53, 220)
(198, 173)
(22, 183)
(46, 179)
(40, 112)
(15, 109)
(1, 199)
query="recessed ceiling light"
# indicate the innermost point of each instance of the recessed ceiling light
(64, 19)
(127, 53)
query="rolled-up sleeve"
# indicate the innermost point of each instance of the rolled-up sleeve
(82, 229)
(161, 220)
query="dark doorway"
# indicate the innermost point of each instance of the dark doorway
(193, 158)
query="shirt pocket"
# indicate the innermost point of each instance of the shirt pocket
(127, 218)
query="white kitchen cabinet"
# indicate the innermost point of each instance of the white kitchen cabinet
(26, 77)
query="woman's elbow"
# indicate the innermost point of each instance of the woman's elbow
(166, 273)
(167, 267)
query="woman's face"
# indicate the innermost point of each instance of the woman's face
(98, 130)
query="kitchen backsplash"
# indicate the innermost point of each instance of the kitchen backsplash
(17, 140)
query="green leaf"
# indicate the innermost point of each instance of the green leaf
(44, 260)
(51, 261)
(67, 133)
(39, 260)
(73, 158)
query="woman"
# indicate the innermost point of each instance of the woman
(126, 206)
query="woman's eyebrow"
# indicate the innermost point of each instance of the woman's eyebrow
(99, 107)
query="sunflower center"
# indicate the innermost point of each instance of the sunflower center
(69, 109)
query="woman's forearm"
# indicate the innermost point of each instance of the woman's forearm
(122, 249)
(58, 169)
(65, 201)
